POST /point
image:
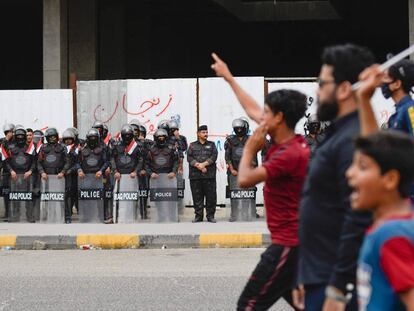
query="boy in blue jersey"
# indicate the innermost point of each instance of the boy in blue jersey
(381, 175)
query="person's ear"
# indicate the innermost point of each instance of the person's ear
(396, 85)
(344, 91)
(391, 180)
(279, 117)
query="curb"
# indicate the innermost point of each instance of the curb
(134, 241)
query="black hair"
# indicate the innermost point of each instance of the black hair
(348, 61)
(403, 71)
(391, 150)
(29, 130)
(292, 104)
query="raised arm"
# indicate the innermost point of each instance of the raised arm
(252, 108)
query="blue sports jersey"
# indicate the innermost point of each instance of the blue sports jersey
(403, 118)
(375, 291)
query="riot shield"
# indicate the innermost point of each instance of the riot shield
(90, 197)
(52, 200)
(242, 201)
(125, 199)
(180, 193)
(21, 199)
(163, 192)
(143, 197)
(36, 195)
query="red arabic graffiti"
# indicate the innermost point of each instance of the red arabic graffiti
(143, 108)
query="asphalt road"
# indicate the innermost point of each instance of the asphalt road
(170, 279)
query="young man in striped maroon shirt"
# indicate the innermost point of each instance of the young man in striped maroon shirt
(283, 172)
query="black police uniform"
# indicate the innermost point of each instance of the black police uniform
(145, 145)
(71, 182)
(20, 162)
(203, 185)
(5, 176)
(313, 142)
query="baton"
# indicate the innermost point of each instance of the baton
(393, 60)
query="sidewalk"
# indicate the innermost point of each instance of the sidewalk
(138, 235)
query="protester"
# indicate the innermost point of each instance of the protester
(330, 232)
(283, 172)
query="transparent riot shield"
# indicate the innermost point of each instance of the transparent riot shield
(163, 192)
(180, 193)
(143, 197)
(36, 195)
(21, 199)
(90, 197)
(242, 201)
(126, 199)
(52, 200)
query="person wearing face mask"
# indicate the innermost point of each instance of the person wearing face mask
(398, 82)
(21, 161)
(313, 135)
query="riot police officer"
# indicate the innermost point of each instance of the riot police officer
(127, 157)
(5, 173)
(21, 161)
(202, 157)
(234, 146)
(175, 132)
(313, 135)
(92, 156)
(162, 157)
(146, 145)
(71, 185)
(53, 158)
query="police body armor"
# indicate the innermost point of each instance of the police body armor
(91, 159)
(19, 160)
(125, 163)
(53, 158)
(162, 159)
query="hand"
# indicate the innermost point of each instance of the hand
(81, 174)
(13, 175)
(221, 68)
(171, 175)
(257, 141)
(98, 174)
(60, 175)
(234, 172)
(143, 173)
(333, 305)
(204, 170)
(133, 175)
(44, 176)
(27, 174)
(371, 78)
(107, 172)
(154, 176)
(298, 297)
(117, 176)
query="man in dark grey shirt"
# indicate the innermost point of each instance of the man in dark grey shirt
(330, 232)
